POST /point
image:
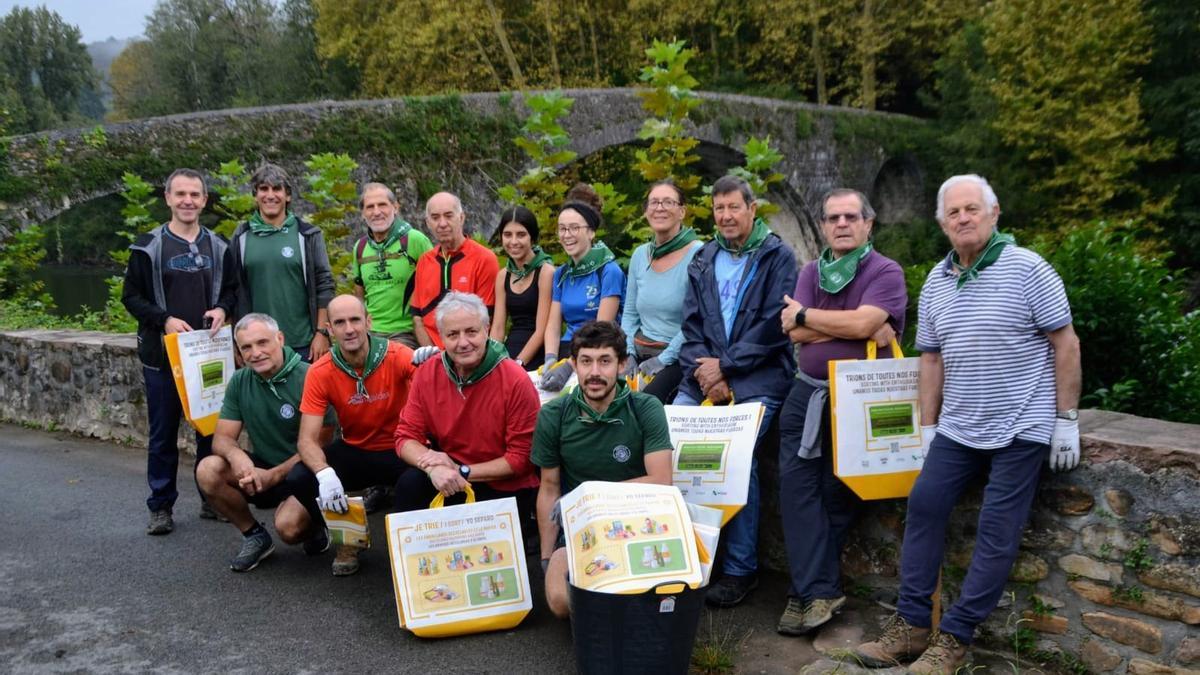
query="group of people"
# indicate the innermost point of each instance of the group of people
(417, 382)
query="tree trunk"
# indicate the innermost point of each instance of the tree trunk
(867, 49)
(554, 68)
(591, 24)
(819, 59)
(498, 28)
(714, 56)
(484, 57)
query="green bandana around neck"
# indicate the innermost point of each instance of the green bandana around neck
(597, 257)
(755, 241)
(493, 353)
(588, 415)
(540, 258)
(991, 252)
(377, 348)
(836, 274)
(264, 229)
(682, 238)
(398, 229)
(290, 360)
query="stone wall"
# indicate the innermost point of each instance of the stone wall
(1108, 577)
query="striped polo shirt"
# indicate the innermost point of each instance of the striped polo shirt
(998, 363)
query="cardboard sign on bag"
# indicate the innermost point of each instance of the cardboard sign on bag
(202, 366)
(459, 569)
(713, 448)
(876, 423)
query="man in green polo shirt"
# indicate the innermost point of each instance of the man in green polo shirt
(384, 262)
(600, 431)
(264, 398)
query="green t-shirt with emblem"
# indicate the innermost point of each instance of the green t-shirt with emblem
(275, 272)
(610, 450)
(271, 419)
(387, 284)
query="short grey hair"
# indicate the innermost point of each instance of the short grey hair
(457, 301)
(458, 207)
(272, 175)
(367, 187)
(253, 317)
(185, 172)
(867, 212)
(731, 183)
(989, 195)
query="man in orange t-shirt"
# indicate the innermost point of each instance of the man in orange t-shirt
(365, 379)
(455, 264)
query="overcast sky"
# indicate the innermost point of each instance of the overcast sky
(97, 19)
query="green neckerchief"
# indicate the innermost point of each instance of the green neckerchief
(377, 348)
(398, 229)
(540, 258)
(290, 360)
(263, 229)
(755, 241)
(493, 353)
(991, 252)
(682, 238)
(588, 415)
(597, 257)
(836, 274)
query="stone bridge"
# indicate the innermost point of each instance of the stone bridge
(463, 143)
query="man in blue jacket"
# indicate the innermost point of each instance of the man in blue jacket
(733, 348)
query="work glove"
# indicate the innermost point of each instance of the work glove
(423, 354)
(928, 431)
(333, 497)
(630, 367)
(1064, 445)
(555, 377)
(651, 366)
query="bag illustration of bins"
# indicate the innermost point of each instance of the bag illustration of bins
(650, 632)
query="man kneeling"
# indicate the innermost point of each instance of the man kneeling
(600, 431)
(265, 398)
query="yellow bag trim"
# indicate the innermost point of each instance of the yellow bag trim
(440, 500)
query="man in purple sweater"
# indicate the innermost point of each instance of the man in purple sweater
(851, 294)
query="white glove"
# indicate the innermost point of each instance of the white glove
(333, 497)
(555, 378)
(928, 431)
(1064, 445)
(651, 366)
(423, 354)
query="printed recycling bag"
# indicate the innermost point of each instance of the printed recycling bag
(350, 528)
(713, 448)
(202, 366)
(459, 569)
(876, 423)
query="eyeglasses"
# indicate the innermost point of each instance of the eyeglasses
(661, 204)
(570, 229)
(851, 218)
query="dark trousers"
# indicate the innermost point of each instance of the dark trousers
(414, 491)
(1012, 477)
(356, 468)
(666, 383)
(165, 411)
(817, 508)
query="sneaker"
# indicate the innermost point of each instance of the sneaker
(318, 543)
(900, 641)
(791, 622)
(374, 498)
(944, 656)
(820, 611)
(255, 549)
(345, 562)
(207, 512)
(160, 522)
(730, 590)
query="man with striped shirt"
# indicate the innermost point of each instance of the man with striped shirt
(999, 384)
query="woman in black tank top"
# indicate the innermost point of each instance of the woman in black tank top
(523, 289)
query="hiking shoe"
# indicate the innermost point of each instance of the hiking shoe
(207, 512)
(730, 590)
(318, 543)
(791, 622)
(374, 498)
(900, 641)
(255, 549)
(161, 522)
(820, 611)
(943, 657)
(345, 562)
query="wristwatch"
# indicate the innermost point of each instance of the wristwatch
(464, 471)
(801, 315)
(324, 331)
(1070, 415)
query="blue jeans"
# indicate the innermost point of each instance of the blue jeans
(740, 535)
(1012, 478)
(165, 412)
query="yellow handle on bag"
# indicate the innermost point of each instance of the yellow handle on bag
(708, 401)
(872, 349)
(440, 500)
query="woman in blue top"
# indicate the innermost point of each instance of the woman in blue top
(588, 287)
(658, 280)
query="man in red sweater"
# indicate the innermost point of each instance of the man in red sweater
(477, 409)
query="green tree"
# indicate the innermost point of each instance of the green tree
(44, 70)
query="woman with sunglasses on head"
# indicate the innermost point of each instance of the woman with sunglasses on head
(658, 280)
(590, 286)
(523, 288)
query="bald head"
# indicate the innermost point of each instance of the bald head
(349, 324)
(445, 218)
